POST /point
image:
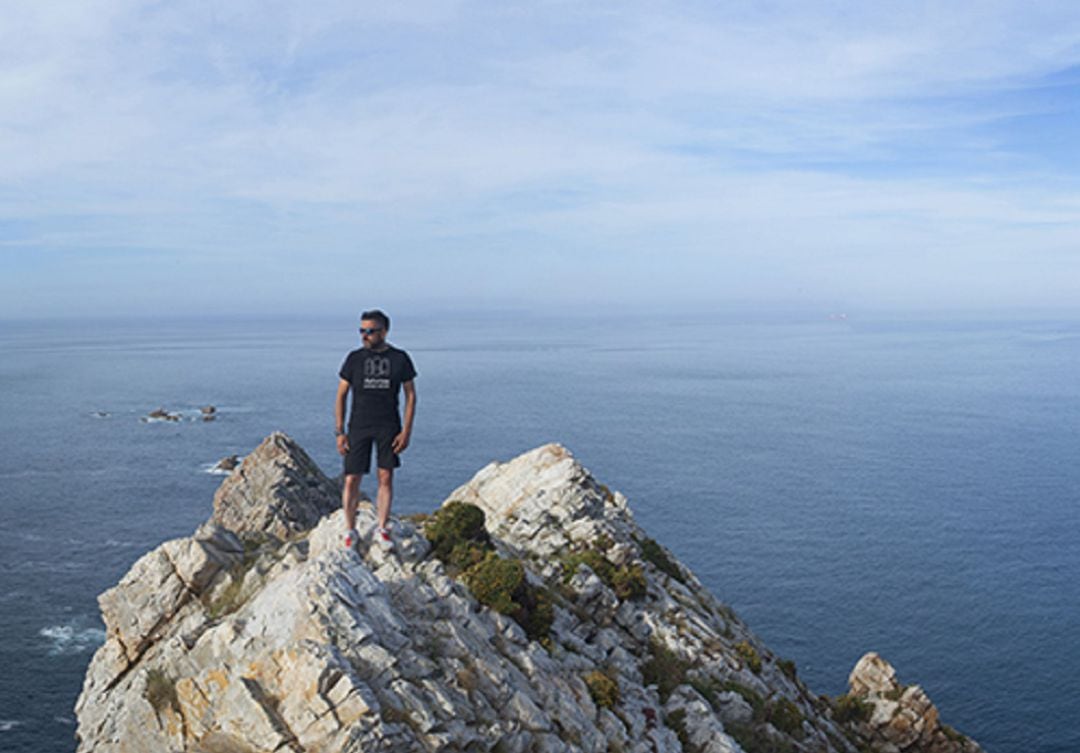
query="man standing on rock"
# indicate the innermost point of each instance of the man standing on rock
(375, 373)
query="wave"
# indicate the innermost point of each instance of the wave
(71, 639)
(6, 725)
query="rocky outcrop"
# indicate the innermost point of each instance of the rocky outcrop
(278, 492)
(263, 633)
(226, 464)
(901, 718)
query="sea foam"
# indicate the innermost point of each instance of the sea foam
(69, 639)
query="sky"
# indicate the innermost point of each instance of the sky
(180, 157)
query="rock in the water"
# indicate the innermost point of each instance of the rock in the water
(208, 410)
(903, 719)
(226, 464)
(160, 414)
(277, 491)
(263, 633)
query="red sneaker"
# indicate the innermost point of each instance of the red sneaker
(351, 538)
(382, 538)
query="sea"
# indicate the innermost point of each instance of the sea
(900, 483)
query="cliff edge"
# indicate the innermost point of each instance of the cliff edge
(529, 613)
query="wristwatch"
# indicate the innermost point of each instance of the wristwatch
(339, 433)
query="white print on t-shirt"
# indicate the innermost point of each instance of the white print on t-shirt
(377, 373)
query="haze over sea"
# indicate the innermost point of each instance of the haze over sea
(901, 484)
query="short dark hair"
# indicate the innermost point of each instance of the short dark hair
(377, 316)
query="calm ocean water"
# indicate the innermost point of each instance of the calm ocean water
(908, 487)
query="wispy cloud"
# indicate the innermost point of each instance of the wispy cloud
(860, 152)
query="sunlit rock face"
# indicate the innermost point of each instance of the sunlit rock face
(262, 632)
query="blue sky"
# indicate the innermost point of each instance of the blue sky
(185, 158)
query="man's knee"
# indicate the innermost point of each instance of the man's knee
(351, 482)
(386, 476)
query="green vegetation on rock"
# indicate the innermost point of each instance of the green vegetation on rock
(654, 553)
(787, 666)
(676, 721)
(160, 691)
(500, 583)
(749, 655)
(458, 536)
(603, 688)
(848, 709)
(627, 581)
(756, 739)
(221, 600)
(785, 716)
(664, 669)
(460, 540)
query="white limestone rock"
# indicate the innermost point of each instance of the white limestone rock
(263, 633)
(903, 718)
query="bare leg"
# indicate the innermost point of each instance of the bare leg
(350, 493)
(385, 497)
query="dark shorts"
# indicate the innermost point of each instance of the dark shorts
(358, 458)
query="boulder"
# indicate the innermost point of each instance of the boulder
(278, 491)
(226, 464)
(903, 719)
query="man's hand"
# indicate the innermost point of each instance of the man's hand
(401, 441)
(343, 444)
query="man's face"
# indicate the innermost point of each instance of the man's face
(372, 333)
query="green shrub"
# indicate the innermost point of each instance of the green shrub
(466, 554)
(627, 581)
(457, 535)
(603, 542)
(785, 716)
(756, 739)
(500, 584)
(603, 688)
(664, 669)
(710, 688)
(757, 703)
(654, 553)
(160, 691)
(676, 721)
(540, 615)
(848, 709)
(595, 561)
(893, 694)
(787, 666)
(750, 655)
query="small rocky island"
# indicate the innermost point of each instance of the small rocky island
(529, 613)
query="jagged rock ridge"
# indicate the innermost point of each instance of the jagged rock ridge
(262, 633)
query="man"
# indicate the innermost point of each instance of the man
(375, 374)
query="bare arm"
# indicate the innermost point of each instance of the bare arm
(339, 416)
(401, 441)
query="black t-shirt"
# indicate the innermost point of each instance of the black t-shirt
(376, 377)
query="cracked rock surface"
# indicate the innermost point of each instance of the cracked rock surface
(261, 632)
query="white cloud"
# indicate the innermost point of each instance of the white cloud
(738, 137)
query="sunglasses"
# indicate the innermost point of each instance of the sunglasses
(370, 330)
